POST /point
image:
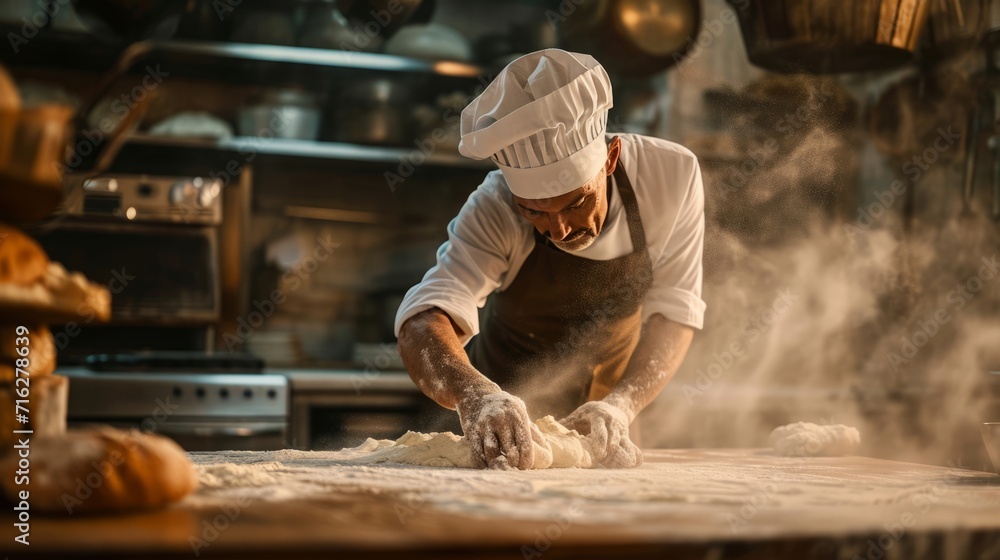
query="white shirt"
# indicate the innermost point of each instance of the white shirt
(489, 241)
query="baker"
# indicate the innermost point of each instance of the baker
(584, 250)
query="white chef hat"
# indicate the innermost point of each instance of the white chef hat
(542, 121)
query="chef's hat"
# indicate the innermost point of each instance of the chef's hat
(542, 121)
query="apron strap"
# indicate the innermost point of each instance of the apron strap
(635, 230)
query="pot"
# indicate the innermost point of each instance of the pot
(634, 37)
(371, 112)
(285, 114)
(827, 36)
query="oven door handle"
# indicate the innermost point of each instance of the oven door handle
(232, 429)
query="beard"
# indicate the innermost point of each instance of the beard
(576, 242)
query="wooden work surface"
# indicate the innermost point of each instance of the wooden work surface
(679, 504)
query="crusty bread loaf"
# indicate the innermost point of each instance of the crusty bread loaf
(41, 353)
(22, 260)
(103, 469)
(57, 297)
(47, 402)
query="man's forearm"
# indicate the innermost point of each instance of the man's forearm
(662, 347)
(436, 360)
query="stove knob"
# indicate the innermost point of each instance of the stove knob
(272, 393)
(224, 393)
(177, 392)
(199, 392)
(247, 393)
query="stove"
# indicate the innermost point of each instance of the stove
(204, 402)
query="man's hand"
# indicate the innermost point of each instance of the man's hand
(497, 425)
(606, 427)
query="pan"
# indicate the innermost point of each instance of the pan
(634, 37)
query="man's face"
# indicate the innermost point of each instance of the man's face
(573, 220)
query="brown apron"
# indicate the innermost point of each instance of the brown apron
(563, 331)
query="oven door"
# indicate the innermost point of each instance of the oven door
(215, 435)
(156, 273)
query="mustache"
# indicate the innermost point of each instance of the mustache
(576, 236)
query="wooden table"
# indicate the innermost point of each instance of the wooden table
(744, 504)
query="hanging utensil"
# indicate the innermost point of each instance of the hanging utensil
(828, 36)
(634, 37)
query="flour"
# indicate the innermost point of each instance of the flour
(558, 447)
(675, 484)
(803, 439)
(228, 475)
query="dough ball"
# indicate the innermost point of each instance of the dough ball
(41, 352)
(103, 469)
(804, 439)
(22, 260)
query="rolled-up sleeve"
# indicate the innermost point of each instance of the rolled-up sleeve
(677, 272)
(471, 264)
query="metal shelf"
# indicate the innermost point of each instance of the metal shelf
(309, 149)
(244, 62)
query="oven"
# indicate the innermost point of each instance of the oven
(159, 244)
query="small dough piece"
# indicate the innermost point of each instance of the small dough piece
(103, 469)
(558, 447)
(804, 439)
(22, 259)
(41, 352)
(47, 401)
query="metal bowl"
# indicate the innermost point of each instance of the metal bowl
(991, 437)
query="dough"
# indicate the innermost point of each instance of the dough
(803, 439)
(559, 448)
(41, 352)
(102, 469)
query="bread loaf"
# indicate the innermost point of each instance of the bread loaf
(103, 469)
(41, 352)
(22, 260)
(47, 401)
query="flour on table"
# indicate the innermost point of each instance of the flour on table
(559, 448)
(804, 439)
(228, 475)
